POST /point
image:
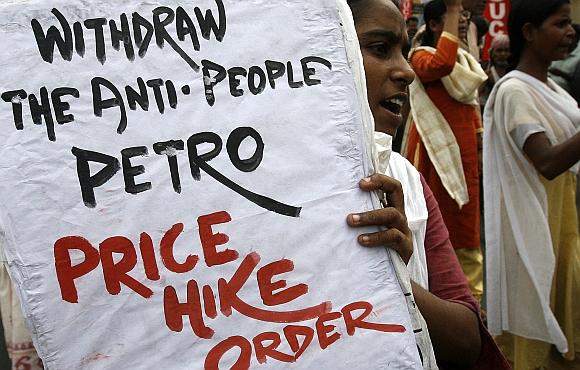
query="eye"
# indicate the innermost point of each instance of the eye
(564, 23)
(380, 49)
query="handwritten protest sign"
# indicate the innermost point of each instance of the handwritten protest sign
(174, 183)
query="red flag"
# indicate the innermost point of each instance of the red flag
(407, 8)
(496, 13)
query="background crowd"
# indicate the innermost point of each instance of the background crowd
(499, 137)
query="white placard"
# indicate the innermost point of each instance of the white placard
(174, 183)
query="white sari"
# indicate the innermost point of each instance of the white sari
(520, 257)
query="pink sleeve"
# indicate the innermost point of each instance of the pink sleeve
(447, 281)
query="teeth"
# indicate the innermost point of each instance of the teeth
(397, 101)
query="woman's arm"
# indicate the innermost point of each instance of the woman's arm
(432, 67)
(457, 339)
(552, 160)
(448, 307)
(452, 17)
(454, 328)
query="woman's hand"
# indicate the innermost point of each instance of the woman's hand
(452, 3)
(396, 234)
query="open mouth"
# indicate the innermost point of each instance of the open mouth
(394, 105)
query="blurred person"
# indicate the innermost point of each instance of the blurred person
(21, 351)
(476, 7)
(563, 72)
(471, 41)
(482, 27)
(499, 53)
(531, 154)
(443, 139)
(412, 26)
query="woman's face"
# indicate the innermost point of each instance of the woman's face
(552, 40)
(464, 18)
(382, 36)
(463, 24)
(500, 55)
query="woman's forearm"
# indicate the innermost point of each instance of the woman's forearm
(452, 20)
(453, 328)
(552, 160)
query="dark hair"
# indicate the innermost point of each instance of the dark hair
(433, 11)
(482, 26)
(576, 28)
(412, 18)
(356, 6)
(527, 11)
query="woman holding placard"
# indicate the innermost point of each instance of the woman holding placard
(439, 286)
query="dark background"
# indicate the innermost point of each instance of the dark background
(4, 363)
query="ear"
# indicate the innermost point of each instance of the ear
(529, 32)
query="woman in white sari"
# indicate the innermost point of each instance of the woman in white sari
(531, 154)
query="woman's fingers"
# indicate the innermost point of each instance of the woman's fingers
(390, 238)
(391, 188)
(389, 217)
(397, 234)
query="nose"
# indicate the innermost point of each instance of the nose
(402, 73)
(571, 31)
